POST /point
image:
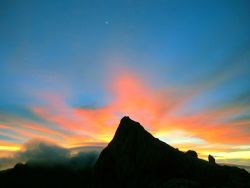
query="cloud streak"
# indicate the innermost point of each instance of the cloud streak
(159, 110)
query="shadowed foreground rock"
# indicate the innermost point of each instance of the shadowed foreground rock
(134, 158)
(192, 153)
(211, 159)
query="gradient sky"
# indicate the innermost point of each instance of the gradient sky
(71, 69)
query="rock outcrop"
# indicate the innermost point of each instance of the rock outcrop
(211, 159)
(192, 153)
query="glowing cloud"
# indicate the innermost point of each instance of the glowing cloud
(156, 109)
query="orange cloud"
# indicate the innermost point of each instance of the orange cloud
(154, 108)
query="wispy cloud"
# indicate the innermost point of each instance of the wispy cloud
(156, 108)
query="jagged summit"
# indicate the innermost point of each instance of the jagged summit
(130, 125)
(127, 123)
(129, 129)
(126, 119)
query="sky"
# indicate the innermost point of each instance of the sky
(70, 70)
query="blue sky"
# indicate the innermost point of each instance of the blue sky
(74, 51)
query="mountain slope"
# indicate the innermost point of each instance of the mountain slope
(134, 158)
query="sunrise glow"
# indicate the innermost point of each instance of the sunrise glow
(181, 70)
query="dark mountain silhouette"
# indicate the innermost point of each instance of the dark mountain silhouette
(134, 158)
(59, 176)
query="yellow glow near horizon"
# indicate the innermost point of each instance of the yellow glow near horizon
(231, 155)
(10, 148)
(72, 127)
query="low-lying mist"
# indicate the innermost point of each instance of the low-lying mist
(37, 153)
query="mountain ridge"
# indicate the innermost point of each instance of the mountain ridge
(134, 158)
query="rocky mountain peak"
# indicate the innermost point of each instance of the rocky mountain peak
(134, 158)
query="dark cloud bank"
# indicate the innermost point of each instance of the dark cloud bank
(43, 165)
(37, 153)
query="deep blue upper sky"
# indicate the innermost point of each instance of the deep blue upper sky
(57, 44)
(77, 48)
